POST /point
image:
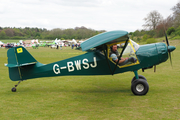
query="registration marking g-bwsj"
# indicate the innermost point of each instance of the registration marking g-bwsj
(71, 67)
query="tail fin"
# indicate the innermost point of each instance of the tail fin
(17, 57)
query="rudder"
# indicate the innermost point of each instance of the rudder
(17, 57)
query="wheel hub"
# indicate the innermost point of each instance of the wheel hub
(140, 87)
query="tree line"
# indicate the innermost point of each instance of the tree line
(42, 33)
(155, 25)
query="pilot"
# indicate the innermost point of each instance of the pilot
(114, 55)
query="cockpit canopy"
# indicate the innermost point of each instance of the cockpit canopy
(102, 43)
(127, 51)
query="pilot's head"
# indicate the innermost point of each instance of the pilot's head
(114, 48)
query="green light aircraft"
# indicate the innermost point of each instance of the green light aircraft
(96, 61)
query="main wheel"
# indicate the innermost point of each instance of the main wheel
(140, 77)
(139, 87)
(13, 89)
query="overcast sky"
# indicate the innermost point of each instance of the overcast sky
(95, 14)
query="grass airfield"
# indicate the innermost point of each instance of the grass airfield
(90, 97)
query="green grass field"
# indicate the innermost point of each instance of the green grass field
(90, 97)
(9, 41)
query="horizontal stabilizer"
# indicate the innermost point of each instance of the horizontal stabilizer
(15, 65)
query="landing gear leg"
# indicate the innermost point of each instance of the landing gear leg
(139, 85)
(14, 88)
(136, 74)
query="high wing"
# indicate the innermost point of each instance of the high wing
(101, 41)
(104, 38)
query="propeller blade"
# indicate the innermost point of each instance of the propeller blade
(167, 42)
(170, 58)
(169, 50)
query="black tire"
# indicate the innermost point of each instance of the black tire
(140, 77)
(13, 89)
(139, 87)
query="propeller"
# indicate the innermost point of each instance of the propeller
(170, 48)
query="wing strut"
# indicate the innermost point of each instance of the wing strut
(105, 52)
(120, 55)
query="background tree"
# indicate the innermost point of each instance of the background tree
(159, 32)
(9, 32)
(176, 15)
(38, 33)
(152, 20)
(2, 34)
(170, 30)
(168, 22)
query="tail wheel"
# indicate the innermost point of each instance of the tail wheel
(139, 87)
(13, 89)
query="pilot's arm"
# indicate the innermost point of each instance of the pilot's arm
(115, 58)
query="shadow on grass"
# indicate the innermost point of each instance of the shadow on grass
(83, 90)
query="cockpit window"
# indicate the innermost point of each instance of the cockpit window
(128, 51)
(135, 45)
(128, 56)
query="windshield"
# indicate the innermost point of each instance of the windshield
(129, 50)
(135, 45)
